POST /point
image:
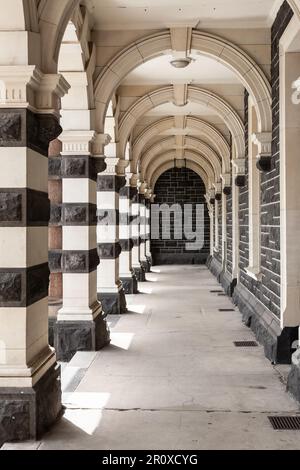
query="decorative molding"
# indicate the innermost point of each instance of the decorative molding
(263, 140)
(77, 142)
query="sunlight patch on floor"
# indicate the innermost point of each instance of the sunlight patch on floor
(122, 340)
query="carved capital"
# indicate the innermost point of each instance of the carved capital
(263, 140)
(28, 87)
(99, 143)
(77, 142)
(111, 165)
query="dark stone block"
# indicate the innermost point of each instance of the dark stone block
(80, 214)
(11, 206)
(38, 208)
(23, 287)
(55, 168)
(75, 167)
(179, 258)
(71, 337)
(130, 284)
(107, 217)
(55, 261)
(80, 261)
(10, 127)
(227, 190)
(21, 128)
(113, 303)
(10, 288)
(41, 130)
(56, 214)
(140, 274)
(126, 245)
(109, 250)
(240, 181)
(27, 413)
(264, 164)
(37, 283)
(277, 342)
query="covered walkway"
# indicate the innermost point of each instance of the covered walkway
(172, 377)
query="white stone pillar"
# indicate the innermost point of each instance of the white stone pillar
(127, 275)
(143, 235)
(80, 323)
(30, 392)
(109, 286)
(148, 197)
(135, 230)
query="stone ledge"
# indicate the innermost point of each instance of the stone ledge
(215, 267)
(277, 342)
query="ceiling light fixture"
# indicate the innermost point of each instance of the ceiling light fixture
(181, 63)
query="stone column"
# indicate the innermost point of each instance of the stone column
(80, 323)
(127, 275)
(142, 209)
(55, 234)
(135, 230)
(110, 289)
(30, 394)
(148, 196)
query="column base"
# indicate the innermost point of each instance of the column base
(113, 303)
(227, 283)
(27, 413)
(130, 284)
(146, 266)
(277, 342)
(140, 274)
(149, 259)
(293, 383)
(73, 336)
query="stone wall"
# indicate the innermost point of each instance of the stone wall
(268, 290)
(180, 186)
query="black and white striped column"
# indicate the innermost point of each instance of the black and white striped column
(135, 230)
(109, 286)
(80, 323)
(148, 197)
(30, 393)
(143, 221)
(127, 275)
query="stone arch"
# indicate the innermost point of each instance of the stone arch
(295, 5)
(206, 44)
(215, 138)
(190, 155)
(190, 143)
(195, 94)
(191, 165)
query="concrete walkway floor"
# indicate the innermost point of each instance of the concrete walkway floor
(172, 377)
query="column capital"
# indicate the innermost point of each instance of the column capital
(77, 142)
(121, 167)
(263, 140)
(143, 187)
(28, 87)
(239, 170)
(112, 166)
(99, 143)
(226, 179)
(134, 180)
